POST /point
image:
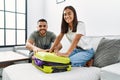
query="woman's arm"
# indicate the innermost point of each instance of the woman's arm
(73, 45)
(57, 42)
(58, 47)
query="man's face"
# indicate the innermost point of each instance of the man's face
(42, 28)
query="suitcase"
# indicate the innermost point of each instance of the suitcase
(51, 63)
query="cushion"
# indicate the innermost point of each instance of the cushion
(108, 52)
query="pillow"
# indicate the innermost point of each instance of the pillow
(108, 52)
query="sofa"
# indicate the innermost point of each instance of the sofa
(106, 64)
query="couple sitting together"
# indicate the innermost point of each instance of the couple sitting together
(79, 51)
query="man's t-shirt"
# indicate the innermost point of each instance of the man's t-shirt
(43, 42)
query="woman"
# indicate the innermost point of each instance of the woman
(79, 51)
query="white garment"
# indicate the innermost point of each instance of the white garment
(83, 42)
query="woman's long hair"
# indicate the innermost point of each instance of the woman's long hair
(64, 25)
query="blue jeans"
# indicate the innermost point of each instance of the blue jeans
(79, 57)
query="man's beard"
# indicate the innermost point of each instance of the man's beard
(42, 32)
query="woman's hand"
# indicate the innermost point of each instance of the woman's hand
(62, 54)
(51, 50)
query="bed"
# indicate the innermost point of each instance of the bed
(26, 71)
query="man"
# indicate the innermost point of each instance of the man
(41, 40)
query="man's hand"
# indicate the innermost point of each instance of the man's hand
(36, 49)
(46, 50)
(40, 50)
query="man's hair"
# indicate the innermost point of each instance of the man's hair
(42, 20)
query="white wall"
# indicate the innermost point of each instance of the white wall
(35, 11)
(100, 16)
(53, 14)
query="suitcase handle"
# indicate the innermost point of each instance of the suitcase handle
(59, 68)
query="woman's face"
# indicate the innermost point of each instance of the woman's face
(68, 15)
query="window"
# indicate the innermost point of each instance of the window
(13, 22)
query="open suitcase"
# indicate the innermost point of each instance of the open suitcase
(51, 63)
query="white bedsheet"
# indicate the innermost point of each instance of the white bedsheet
(26, 71)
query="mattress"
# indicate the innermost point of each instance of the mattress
(26, 71)
(111, 72)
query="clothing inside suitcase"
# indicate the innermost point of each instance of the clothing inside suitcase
(50, 63)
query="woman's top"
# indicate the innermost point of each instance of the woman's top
(83, 42)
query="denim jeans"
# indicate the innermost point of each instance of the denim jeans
(79, 57)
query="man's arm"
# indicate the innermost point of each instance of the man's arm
(31, 47)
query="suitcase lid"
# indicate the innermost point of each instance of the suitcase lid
(51, 57)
